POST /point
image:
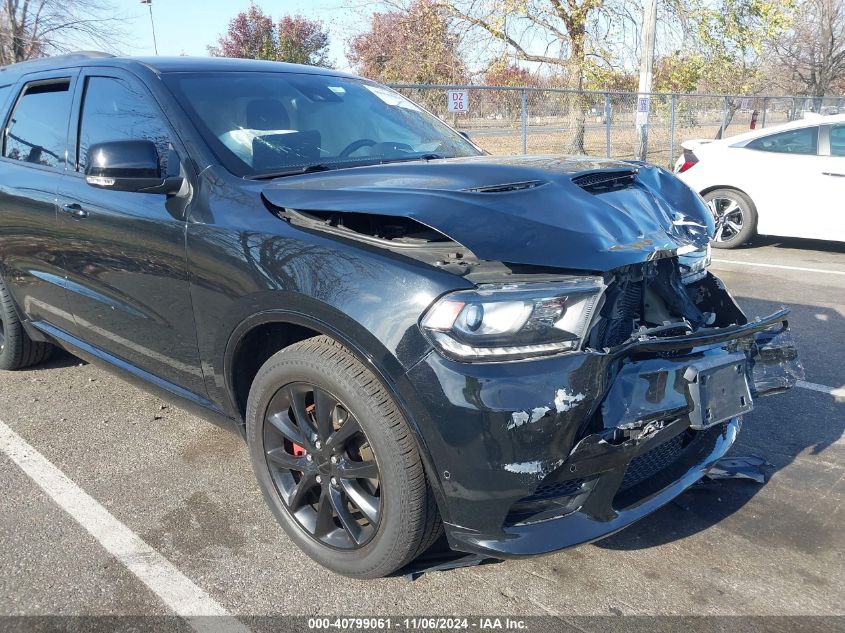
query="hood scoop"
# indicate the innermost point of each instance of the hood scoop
(605, 181)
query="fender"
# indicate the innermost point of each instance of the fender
(386, 368)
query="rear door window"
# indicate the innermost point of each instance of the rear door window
(803, 141)
(837, 140)
(37, 130)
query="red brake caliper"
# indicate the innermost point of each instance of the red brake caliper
(299, 451)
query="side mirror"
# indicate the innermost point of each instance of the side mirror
(465, 134)
(128, 166)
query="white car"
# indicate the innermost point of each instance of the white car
(784, 180)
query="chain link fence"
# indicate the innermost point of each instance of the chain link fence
(505, 120)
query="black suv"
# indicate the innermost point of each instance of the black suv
(411, 335)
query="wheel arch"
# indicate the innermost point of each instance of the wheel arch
(279, 328)
(710, 188)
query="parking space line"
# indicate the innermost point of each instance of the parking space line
(779, 266)
(839, 393)
(176, 590)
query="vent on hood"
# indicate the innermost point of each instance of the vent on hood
(511, 186)
(605, 181)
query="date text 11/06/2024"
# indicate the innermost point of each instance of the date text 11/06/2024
(419, 624)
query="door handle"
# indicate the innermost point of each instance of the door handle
(831, 173)
(75, 211)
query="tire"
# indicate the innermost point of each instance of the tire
(17, 350)
(731, 209)
(362, 527)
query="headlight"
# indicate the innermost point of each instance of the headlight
(513, 321)
(694, 264)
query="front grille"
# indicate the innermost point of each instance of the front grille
(652, 462)
(605, 181)
(659, 467)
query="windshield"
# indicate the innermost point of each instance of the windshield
(264, 124)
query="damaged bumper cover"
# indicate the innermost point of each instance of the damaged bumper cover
(542, 455)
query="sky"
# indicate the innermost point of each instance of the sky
(190, 26)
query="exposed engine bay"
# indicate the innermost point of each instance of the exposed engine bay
(662, 297)
(655, 299)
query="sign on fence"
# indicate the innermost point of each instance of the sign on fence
(643, 107)
(458, 100)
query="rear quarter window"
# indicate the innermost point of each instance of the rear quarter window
(837, 140)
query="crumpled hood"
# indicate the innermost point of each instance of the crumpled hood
(551, 222)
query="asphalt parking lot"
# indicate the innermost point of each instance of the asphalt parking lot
(185, 488)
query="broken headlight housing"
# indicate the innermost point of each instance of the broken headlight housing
(694, 263)
(513, 321)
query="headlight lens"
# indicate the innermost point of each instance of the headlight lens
(513, 321)
(694, 264)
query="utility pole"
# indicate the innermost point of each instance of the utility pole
(646, 66)
(149, 3)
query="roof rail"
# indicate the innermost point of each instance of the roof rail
(67, 57)
(86, 55)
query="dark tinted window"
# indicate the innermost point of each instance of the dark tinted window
(37, 131)
(116, 111)
(803, 141)
(837, 140)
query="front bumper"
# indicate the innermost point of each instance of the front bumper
(541, 455)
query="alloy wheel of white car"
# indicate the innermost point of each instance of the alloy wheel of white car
(734, 216)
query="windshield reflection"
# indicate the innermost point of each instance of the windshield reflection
(275, 124)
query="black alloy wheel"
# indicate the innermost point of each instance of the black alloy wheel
(323, 466)
(337, 462)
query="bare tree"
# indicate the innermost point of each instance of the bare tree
(565, 35)
(34, 28)
(811, 54)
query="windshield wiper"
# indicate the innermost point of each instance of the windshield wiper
(307, 169)
(407, 159)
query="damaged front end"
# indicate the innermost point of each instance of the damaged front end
(572, 448)
(558, 406)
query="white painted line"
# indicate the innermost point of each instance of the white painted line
(812, 386)
(779, 266)
(836, 393)
(175, 589)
